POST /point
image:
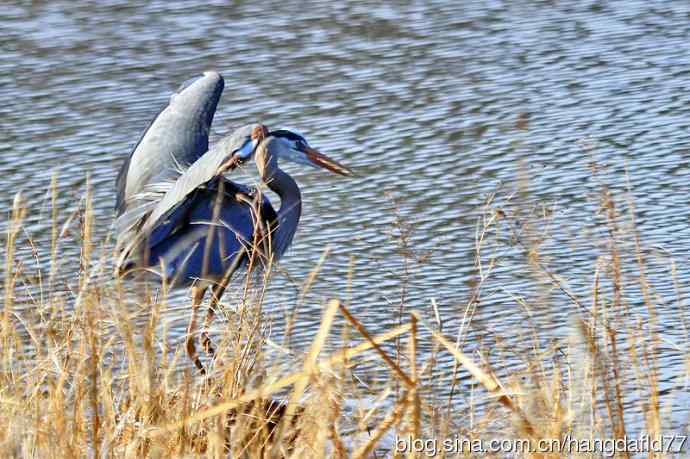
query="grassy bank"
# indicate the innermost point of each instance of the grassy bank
(81, 377)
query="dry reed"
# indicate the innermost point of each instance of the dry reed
(83, 375)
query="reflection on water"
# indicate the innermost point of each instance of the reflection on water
(436, 104)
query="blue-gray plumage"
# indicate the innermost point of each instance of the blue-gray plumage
(138, 224)
(191, 225)
(177, 136)
(178, 245)
(182, 230)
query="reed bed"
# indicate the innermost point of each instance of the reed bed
(80, 376)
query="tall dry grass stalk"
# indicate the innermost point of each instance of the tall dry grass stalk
(92, 373)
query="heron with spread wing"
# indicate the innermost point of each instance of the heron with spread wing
(185, 221)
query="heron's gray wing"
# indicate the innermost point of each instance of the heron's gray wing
(198, 175)
(170, 221)
(204, 241)
(178, 136)
(156, 231)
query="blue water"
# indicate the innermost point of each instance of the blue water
(437, 105)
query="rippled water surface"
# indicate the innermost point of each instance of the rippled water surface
(435, 104)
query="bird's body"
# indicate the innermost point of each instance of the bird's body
(217, 222)
(191, 225)
(141, 230)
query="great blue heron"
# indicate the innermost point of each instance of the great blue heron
(200, 228)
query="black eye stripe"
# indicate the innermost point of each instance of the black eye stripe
(285, 134)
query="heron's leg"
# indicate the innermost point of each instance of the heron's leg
(197, 298)
(216, 292)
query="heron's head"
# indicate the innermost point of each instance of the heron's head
(242, 144)
(292, 146)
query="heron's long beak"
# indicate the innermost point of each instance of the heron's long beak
(320, 160)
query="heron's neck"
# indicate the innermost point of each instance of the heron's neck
(290, 208)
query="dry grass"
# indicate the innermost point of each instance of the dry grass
(80, 376)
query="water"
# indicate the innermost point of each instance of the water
(435, 104)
